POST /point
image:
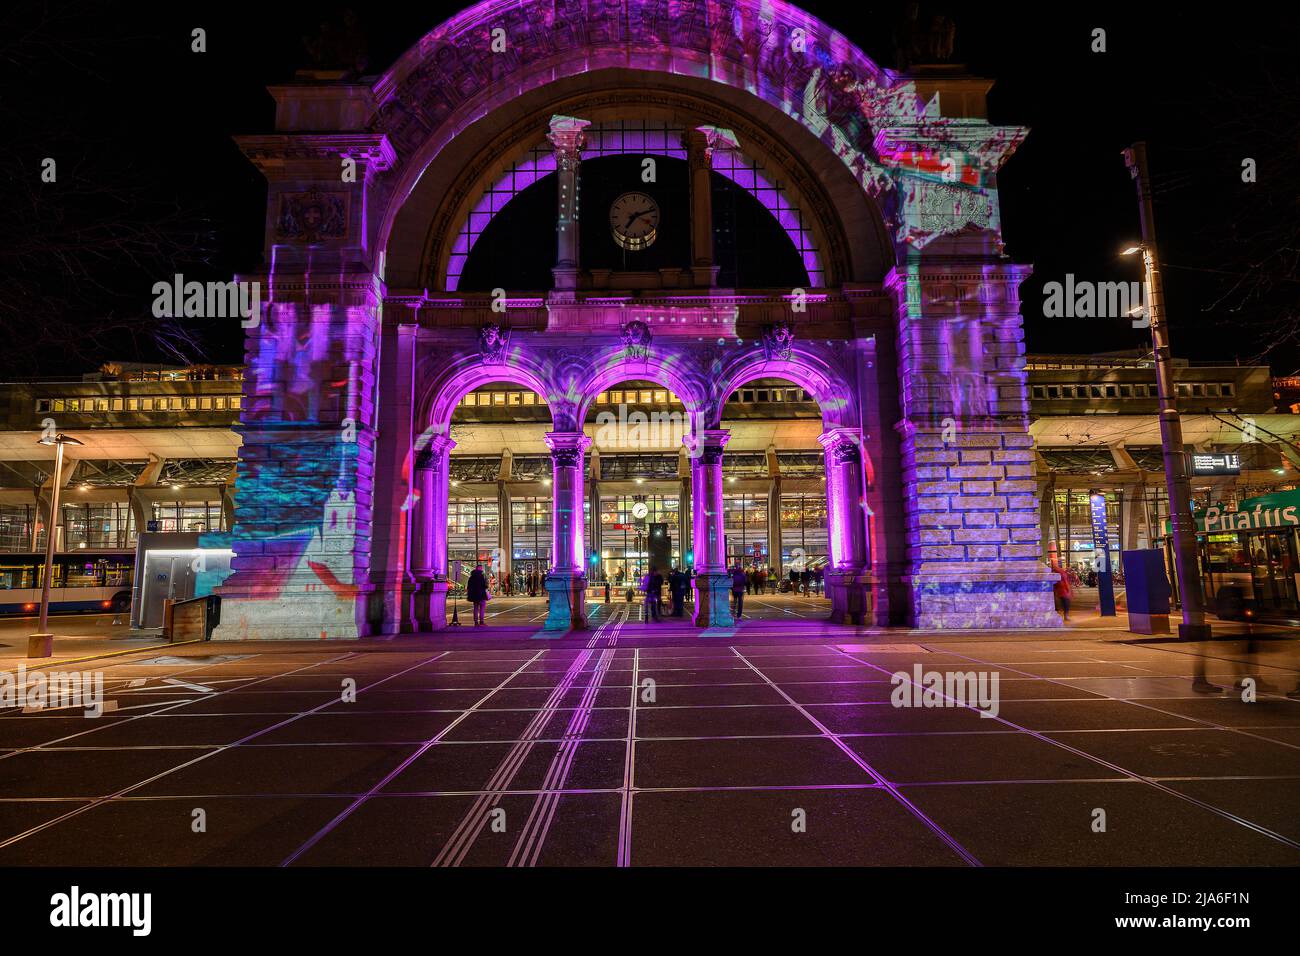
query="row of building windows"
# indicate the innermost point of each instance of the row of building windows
(1124, 390)
(159, 403)
(636, 396)
(103, 525)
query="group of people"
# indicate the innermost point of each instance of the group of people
(754, 579)
(652, 586)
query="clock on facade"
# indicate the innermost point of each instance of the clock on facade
(634, 219)
(640, 510)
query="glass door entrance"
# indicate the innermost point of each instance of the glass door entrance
(626, 526)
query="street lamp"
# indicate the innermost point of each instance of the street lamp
(41, 644)
(1186, 564)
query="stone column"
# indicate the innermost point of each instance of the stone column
(967, 457)
(303, 515)
(505, 530)
(395, 595)
(593, 504)
(684, 506)
(700, 144)
(435, 499)
(567, 136)
(712, 581)
(773, 511)
(566, 583)
(421, 534)
(847, 581)
(305, 512)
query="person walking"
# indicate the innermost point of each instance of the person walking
(804, 577)
(476, 592)
(738, 588)
(1062, 590)
(760, 580)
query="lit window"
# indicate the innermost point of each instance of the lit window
(117, 404)
(205, 404)
(498, 398)
(236, 401)
(469, 399)
(645, 396)
(602, 398)
(529, 398)
(661, 397)
(101, 405)
(515, 398)
(132, 404)
(146, 404)
(219, 402)
(616, 397)
(192, 403)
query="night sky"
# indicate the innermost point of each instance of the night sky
(141, 129)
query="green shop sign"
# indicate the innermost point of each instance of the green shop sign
(1278, 510)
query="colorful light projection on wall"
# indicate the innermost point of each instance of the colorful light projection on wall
(932, 175)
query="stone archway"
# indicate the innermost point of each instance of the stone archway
(898, 171)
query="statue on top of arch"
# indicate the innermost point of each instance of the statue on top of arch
(923, 38)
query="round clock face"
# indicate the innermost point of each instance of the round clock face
(633, 219)
(639, 510)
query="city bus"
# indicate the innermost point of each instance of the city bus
(84, 582)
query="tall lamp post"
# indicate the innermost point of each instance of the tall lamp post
(41, 644)
(1186, 563)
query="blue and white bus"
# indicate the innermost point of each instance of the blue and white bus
(84, 581)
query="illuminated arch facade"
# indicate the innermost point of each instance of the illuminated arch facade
(908, 334)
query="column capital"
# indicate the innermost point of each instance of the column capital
(568, 135)
(842, 444)
(715, 138)
(429, 451)
(567, 447)
(707, 444)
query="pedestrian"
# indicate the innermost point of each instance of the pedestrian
(804, 577)
(652, 584)
(760, 580)
(818, 579)
(476, 592)
(677, 591)
(738, 588)
(1062, 590)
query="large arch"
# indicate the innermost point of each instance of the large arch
(897, 173)
(832, 391)
(435, 188)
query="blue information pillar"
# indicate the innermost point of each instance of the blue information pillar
(1101, 542)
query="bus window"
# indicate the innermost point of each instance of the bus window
(15, 574)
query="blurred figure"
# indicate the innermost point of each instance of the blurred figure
(1062, 590)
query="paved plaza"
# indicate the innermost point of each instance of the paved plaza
(773, 743)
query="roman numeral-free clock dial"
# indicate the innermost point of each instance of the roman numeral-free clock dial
(634, 219)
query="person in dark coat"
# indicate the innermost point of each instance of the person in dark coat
(738, 589)
(476, 592)
(653, 584)
(677, 590)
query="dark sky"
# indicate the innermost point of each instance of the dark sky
(114, 92)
